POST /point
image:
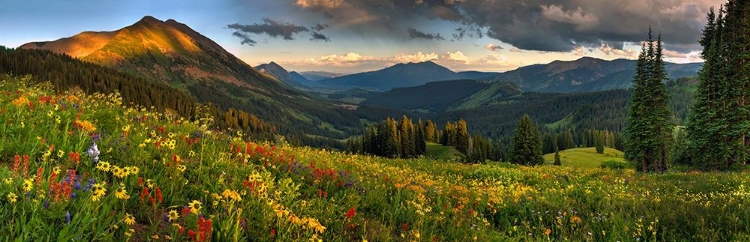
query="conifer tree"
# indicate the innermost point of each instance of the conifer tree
(462, 137)
(648, 130)
(527, 144)
(558, 162)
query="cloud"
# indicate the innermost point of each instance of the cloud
(577, 17)
(680, 57)
(540, 25)
(416, 57)
(245, 38)
(493, 47)
(271, 28)
(498, 62)
(457, 56)
(416, 34)
(319, 27)
(608, 50)
(319, 37)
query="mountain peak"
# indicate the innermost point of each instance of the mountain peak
(149, 19)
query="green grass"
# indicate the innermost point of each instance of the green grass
(585, 157)
(565, 122)
(441, 152)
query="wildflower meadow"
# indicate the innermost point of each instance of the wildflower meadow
(90, 168)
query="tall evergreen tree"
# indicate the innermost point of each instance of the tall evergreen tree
(558, 162)
(462, 137)
(527, 143)
(648, 130)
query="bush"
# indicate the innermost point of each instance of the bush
(615, 164)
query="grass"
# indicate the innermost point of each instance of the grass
(585, 157)
(178, 179)
(441, 152)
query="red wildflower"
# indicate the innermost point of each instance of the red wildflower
(16, 164)
(25, 165)
(352, 211)
(405, 226)
(273, 232)
(74, 157)
(144, 193)
(158, 195)
(39, 174)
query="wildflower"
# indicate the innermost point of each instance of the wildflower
(129, 232)
(181, 168)
(28, 184)
(93, 151)
(98, 191)
(103, 166)
(129, 219)
(575, 219)
(350, 214)
(121, 192)
(119, 172)
(134, 170)
(67, 217)
(195, 206)
(547, 232)
(173, 215)
(8, 180)
(230, 194)
(12, 198)
(150, 183)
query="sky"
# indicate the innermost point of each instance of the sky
(348, 36)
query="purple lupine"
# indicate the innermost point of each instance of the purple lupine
(67, 217)
(93, 151)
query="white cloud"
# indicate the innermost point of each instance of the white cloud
(456, 56)
(678, 57)
(416, 57)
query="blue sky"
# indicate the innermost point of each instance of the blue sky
(366, 35)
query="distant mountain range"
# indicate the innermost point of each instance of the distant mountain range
(399, 75)
(319, 75)
(293, 79)
(585, 75)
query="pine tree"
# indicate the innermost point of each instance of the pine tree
(648, 129)
(527, 144)
(462, 137)
(558, 162)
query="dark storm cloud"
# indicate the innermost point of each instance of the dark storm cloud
(245, 38)
(544, 25)
(271, 28)
(319, 37)
(319, 27)
(416, 34)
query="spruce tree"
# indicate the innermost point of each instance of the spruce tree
(557, 156)
(648, 128)
(599, 140)
(462, 137)
(527, 144)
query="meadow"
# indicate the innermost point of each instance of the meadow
(85, 167)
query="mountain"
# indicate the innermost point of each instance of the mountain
(281, 74)
(585, 75)
(440, 96)
(400, 75)
(319, 75)
(173, 53)
(478, 75)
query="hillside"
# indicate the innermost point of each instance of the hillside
(171, 52)
(276, 71)
(585, 75)
(83, 167)
(431, 97)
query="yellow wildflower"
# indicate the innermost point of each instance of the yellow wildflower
(12, 198)
(129, 219)
(195, 206)
(28, 184)
(98, 191)
(173, 215)
(121, 192)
